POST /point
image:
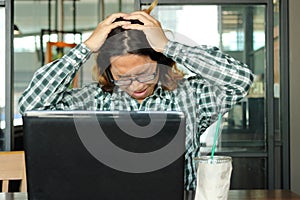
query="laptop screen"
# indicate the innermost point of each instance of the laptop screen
(104, 154)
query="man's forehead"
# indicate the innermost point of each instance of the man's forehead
(136, 70)
(131, 63)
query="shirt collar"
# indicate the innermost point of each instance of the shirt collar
(162, 93)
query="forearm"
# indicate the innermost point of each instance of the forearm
(52, 80)
(215, 67)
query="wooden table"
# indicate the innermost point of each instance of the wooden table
(262, 194)
(13, 196)
(233, 195)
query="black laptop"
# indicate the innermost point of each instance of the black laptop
(109, 155)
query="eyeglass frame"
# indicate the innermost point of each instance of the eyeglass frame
(136, 78)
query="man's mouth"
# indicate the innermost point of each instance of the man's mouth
(140, 93)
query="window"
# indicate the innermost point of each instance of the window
(243, 31)
(32, 17)
(2, 76)
(229, 27)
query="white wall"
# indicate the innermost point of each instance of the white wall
(294, 16)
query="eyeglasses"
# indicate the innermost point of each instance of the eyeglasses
(128, 81)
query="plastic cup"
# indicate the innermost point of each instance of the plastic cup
(213, 177)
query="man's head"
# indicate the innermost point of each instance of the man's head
(127, 53)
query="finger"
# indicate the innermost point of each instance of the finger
(143, 13)
(133, 26)
(141, 27)
(111, 18)
(146, 21)
(114, 25)
(141, 16)
(119, 23)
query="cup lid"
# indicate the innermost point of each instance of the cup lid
(216, 159)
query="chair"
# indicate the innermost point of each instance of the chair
(12, 167)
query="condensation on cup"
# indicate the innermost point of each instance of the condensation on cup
(213, 177)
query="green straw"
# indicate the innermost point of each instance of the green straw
(216, 136)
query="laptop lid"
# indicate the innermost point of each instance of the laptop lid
(104, 155)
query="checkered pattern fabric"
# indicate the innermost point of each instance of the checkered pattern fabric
(218, 81)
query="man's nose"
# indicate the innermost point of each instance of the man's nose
(135, 84)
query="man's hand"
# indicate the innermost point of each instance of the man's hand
(152, 29)
(98, 37)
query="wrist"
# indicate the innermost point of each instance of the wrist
(90, 46)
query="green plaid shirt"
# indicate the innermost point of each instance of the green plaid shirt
(218, 82)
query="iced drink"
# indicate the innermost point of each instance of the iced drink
(213, 177)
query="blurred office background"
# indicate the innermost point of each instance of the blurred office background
(259, 133)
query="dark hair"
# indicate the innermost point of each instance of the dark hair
(122, 42)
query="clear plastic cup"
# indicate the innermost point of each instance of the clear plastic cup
(213, 177)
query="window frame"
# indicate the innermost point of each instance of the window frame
(272, 173)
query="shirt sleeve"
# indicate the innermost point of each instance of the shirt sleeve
(52, 80)
(229, 78)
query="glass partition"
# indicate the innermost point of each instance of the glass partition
(32, 16)
(86, 13)
(239, 30)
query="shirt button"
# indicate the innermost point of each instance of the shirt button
(79, 56)
(83, 51)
